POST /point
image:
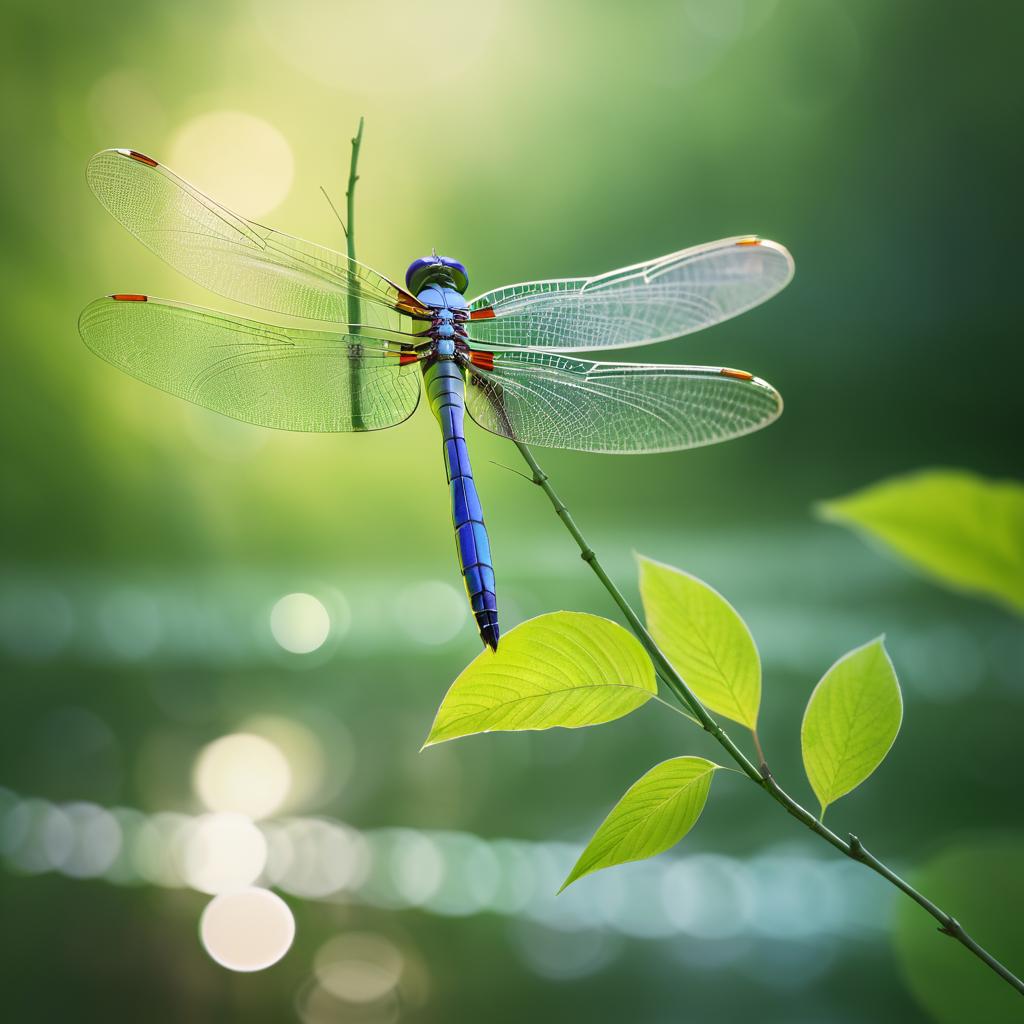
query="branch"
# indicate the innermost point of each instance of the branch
(852, 848)
(350, 199)
(355, 387)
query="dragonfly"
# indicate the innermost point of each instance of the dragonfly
(369, 346)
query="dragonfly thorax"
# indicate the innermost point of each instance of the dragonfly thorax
(449, 312)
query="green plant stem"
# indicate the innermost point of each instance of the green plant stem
(852, 848)
(354, 312)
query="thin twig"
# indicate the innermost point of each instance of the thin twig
(355, 384)
(334, 210)
(517, 472)
(852, 848)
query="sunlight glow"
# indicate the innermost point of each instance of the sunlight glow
(307, 34)
(241, 161)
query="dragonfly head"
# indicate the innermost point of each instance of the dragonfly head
(438, 270)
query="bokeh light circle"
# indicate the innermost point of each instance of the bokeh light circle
(313, 858)
(300, 623)
(242, 773)
(314, 774)
(247, 930)
(222, 853)
(244, 161)
(97, 841)
(359, 967)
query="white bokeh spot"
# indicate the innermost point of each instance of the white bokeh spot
(247, 930)
(300, 623)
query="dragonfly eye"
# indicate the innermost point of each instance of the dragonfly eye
(459, 275)
(436, 270)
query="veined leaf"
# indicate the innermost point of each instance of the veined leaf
(564, 669)
(851, 721)
(653, 815)
(961, 529)
(705, 639)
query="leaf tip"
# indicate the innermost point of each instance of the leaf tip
(574, 876)
(431, 740)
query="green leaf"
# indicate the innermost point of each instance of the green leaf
(565, 669)
(654, 814)
(705, 639)
(961, 529)
(851, 721)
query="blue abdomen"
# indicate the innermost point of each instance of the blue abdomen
(445, 391)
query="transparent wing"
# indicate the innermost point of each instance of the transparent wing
(238, 258)
(272, 376)
(622, 408)
(665, 298)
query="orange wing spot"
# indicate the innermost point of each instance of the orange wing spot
(749, 241)
(142, 158)
(406, 358)
(411, 306)
(482, 314)
(484, 360)
(736, 374)
(123, 297)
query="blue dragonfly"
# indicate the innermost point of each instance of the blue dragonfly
(507, 356)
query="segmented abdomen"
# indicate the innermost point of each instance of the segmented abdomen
(445, 391)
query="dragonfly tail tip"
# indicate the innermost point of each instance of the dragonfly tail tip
(487, 623)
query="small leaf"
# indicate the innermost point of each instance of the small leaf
(654, 814)
(705, 639)
(963, 530)
(851, 721)
(565, 669)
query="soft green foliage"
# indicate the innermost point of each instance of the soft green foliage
(653, 815)
(851, 721)
(564, 669)
(981, 877)
(705, 639)
(962, 529)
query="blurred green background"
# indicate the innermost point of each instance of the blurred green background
(146, 543)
